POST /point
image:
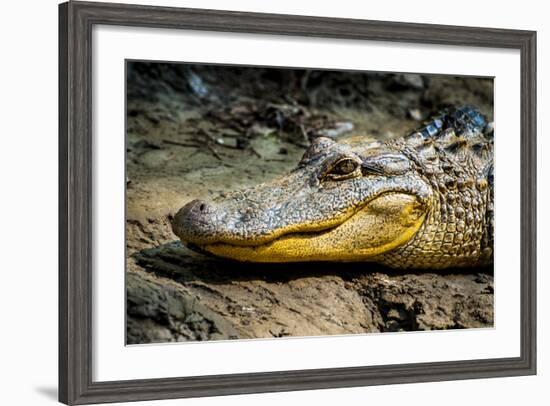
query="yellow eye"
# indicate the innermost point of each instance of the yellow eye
(343, 169)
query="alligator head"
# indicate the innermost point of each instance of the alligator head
(352, 201)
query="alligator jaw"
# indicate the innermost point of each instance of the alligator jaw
(382, 225)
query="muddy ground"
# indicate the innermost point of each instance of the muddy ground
(195, 131)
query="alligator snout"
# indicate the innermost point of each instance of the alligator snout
(195, 221)
(195, 208)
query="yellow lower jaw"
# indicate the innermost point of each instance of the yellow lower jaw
(384, 224)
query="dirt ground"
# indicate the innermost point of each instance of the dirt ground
(195, 131)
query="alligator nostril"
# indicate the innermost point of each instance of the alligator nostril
(190, 217)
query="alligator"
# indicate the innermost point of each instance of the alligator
(423, 201)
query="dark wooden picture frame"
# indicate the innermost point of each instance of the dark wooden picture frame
(76, 20)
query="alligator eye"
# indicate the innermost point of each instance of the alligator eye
(343, 169)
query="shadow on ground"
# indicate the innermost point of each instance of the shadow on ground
(175, 261)
(175, 294)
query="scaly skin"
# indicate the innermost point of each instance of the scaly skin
(421, 201)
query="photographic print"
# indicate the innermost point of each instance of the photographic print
(316, 193)
(267, 202)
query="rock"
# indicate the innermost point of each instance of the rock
(160, 311)
(175, 294)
